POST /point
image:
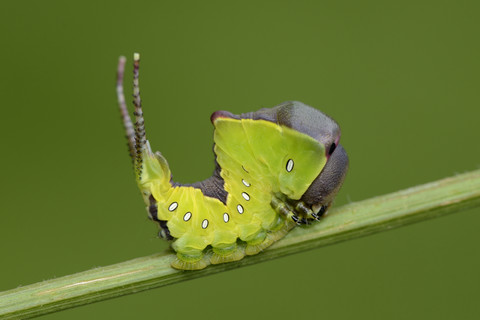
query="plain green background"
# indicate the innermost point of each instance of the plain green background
(400, 77)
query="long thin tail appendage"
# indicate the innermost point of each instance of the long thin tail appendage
(127, 122)
(140, 137)
(149, 168)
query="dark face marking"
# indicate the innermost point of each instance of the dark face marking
(332, 148)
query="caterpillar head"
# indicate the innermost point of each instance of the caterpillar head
(325, 130)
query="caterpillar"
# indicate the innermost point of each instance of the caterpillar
(274, 169)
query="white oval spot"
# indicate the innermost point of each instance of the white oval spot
(245, 183)
(226, 217)
(204, 224)
(240, 209)
(245, 196)
(173, 206)
(187, 216)
(289, 165)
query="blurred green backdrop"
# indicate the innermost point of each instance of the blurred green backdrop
(401, 78)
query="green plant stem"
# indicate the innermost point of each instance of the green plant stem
(347, 222)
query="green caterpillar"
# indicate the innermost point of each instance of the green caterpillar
(275, 168)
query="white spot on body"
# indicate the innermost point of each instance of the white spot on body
(226, 217)
(187, 216)
(240, 209)
(245, 183)
(245, 196)
(289, 165)
(204, 224)
(173, 206)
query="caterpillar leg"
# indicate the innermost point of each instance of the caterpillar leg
(310, 214)
(285, 209)
(258, 243)
(266, 238)
(282, 232)
(191, 261)
(233, 252)
(296, 210)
